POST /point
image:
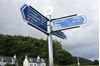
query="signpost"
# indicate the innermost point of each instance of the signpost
(66, 23)
(37, 20)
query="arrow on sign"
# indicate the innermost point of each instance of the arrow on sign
(34, 18)
(67, 23)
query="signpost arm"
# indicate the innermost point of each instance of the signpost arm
(50, 48)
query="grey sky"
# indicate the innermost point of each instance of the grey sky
(83, 41)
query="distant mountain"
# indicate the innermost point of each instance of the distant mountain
(82, 60)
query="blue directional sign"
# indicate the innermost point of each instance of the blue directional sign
(34, 18)
(59, 34)
(65, 23)
(37, 20)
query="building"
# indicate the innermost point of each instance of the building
(7, 60)
(34, 61)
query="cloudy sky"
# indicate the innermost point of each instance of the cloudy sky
(82, 42)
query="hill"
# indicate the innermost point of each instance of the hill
(20, 45)
(82, 61)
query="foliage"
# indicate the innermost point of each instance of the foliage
(21, 46)
(10, 64)
(95, 62)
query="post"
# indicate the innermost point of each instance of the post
(78, 63)
(50, 48)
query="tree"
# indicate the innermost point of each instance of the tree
(21, 46)
(9, 64)
(95, 62)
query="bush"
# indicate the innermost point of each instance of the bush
(10, 64)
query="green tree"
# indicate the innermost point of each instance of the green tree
(21, 46)
(9, 65)
(95, 62)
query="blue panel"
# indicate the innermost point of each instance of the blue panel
(59, 34)
(34, 18)
(68, 22)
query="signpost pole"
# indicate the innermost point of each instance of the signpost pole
(50, 48)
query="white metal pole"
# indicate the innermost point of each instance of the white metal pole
(78, 62)
(50, 48)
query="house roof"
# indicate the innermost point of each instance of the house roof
(6, 59)
(34, 60)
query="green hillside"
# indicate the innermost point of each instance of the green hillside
(21, 46)
(82, 61)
